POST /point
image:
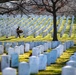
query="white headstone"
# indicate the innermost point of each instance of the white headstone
(53, 56)
(10, 51)
(14, 60)
(42, 62)
(31, 45)
(72, 43)
(24, 68)
(68, 44)
(7, 46)
(60, 50)
(45, 46)
(9, 71)
(54, 44)
(21, 49)
(14, 31)
(34, 64)
(1, 49)
(48, 58)
(73, 57)
(64, 44)
(49, 45)
(20, 43)
(8, 33)
(5, 62)
(0, 33)
(71, 63)
(35, 51)
(14, 44)
(27, 47)
(41, 48)
(17, 50)
(68, 70)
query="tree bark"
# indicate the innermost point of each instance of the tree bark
(54, 25)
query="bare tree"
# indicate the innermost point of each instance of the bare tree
(13, 7)
(51, 6)
(72, 7)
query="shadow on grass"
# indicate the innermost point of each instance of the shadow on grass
(5, 39)
(46, 74)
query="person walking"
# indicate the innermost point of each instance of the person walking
(17, 31)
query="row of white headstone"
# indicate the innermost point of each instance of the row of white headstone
(18, 22)
(61, 19)
(64, 28)
(50, 28)
(60, 23)
(29, 26)
(7, 62)
(44, 27)
(39, 29)
(37, 48)
(70, 68)
(26, 25)
(71, 27)
(27, 45)
(56, 52)
(13, 44)
(31, 31)
(17, 49)
(43, 48)
(19, 16)
(21, 47)
(35, 63)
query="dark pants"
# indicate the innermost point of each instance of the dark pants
(18, 34)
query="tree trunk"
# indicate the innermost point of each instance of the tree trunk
(54, 25)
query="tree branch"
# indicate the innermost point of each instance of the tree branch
(49, 10)
(57, 1)
(58, 8)
(9, 10)
(3, 1)
(52, 1)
